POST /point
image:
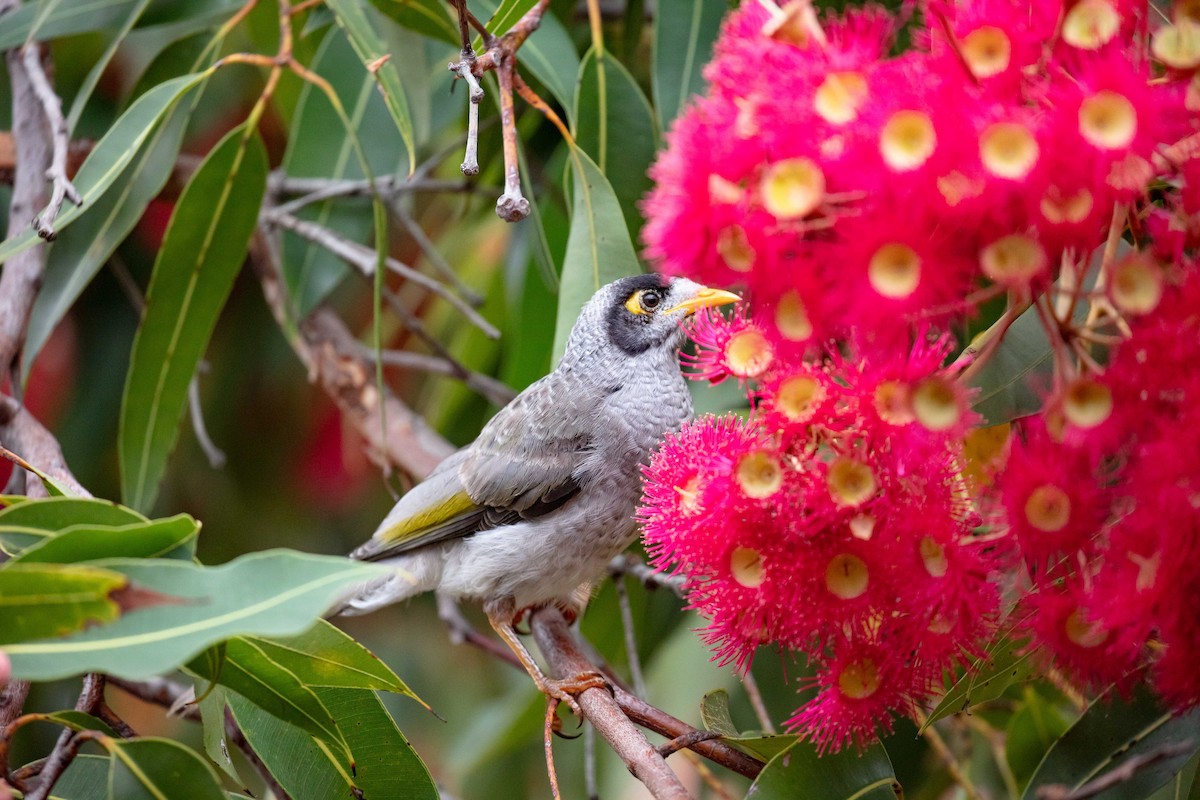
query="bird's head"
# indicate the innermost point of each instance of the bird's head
(646, 312)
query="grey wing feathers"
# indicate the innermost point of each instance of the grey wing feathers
(528, 458)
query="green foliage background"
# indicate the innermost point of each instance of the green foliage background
(295, 475)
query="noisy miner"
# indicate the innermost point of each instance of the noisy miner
(532, 511)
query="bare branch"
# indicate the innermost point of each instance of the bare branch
(324, 346)
(363, 259)
(51, 105)
(600, 708)
(629, 564)
(68, 744)
(435, 258)
(510, 206)
(686, 740)
(631, 645)
(494, 390)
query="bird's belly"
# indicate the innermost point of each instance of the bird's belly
(542, 560)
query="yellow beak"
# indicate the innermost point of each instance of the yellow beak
(705, 298)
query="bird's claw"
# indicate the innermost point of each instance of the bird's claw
(565, 690)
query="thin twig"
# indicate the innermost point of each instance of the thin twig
(756, 702)
(160, 691)
(631, 645)
(591, 786)
(363, 259)
(1118, 775)
(495, 391)
(51, 105)
(957, 774)
(314, 190)
(434, 256)
(650, 578)
(214, 454)
(686, 740)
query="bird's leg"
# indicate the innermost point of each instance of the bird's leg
(501, 614)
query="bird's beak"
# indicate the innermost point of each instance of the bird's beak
(705, 298)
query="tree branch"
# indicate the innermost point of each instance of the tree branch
(601, 709)
(1122, 774)
(323, 345)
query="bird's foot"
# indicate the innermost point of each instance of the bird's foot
(565, 690)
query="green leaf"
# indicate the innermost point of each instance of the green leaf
(31, 521)
(273, 593)
(325, 656)
(433, 18)
(764, 747)
(156, 769)
(1112, 731)
(384, 765)
(683, 42)
(212, 702)
(1030, 733)
(1006, 662)
(64, 19)
(550, 56)
(250, 672)
(799, 773)
(39, 600)
(615, 126)
(505, 16)
(353, 17)
(714, 711)
(201, 254)
(82, 249)
(85, 779)
(598, 247)
(320, 150)
(1012, 383)
(174, 537)
(112, 154)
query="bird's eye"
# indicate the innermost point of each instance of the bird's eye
(644, 301)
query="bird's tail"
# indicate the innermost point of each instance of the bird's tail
(409, 575)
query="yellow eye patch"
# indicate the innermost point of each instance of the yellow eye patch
(643, 301)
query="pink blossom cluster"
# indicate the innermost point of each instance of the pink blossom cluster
(867, 203)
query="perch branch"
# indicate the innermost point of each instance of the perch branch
(601, 709)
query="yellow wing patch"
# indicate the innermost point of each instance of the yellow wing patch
(454, 505)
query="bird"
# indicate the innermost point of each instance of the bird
(530, 513)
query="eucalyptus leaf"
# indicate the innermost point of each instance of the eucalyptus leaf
(247, 670)
(598, 247)
(273, 593)
(82, 249)
(325, 656)
(615, 126)
(40, 600)
(800, 773)
(112, 154)
(355, 19)
(683, 43)
(154, 769)
(319, 150)
(64, 19)
(174, 537)
(1112, 731)
(714, 711)
(201, 255)
(432, 18)
(1006, 662)
(384, 763)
